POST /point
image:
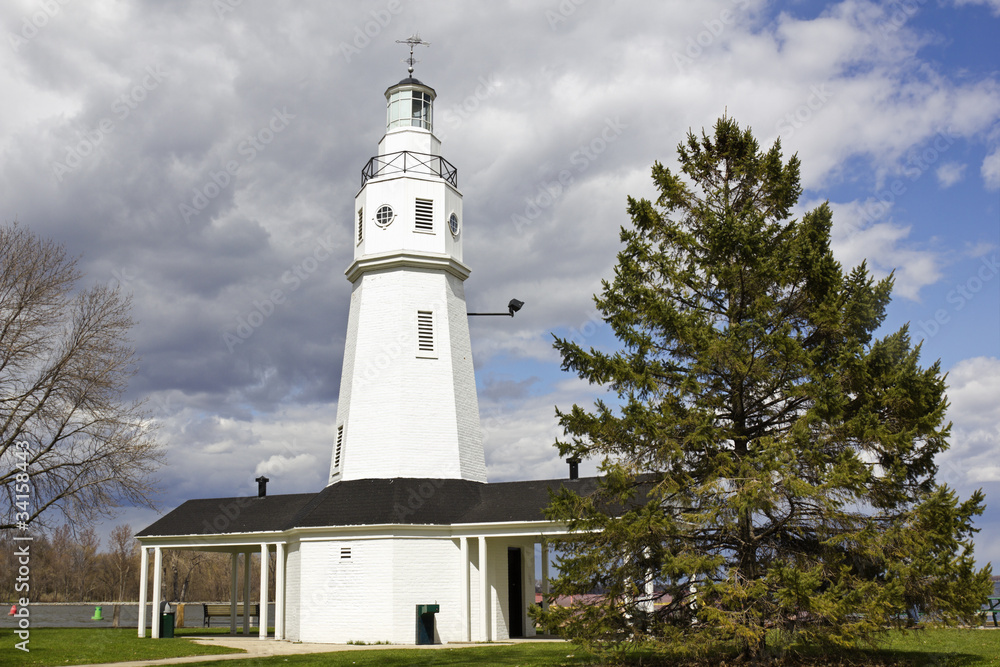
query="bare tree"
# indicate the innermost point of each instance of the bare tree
(121, 566)
(179, 566)
(69, 440)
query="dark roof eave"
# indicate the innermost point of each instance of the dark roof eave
(370, 502)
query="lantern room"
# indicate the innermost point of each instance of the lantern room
(409, 104)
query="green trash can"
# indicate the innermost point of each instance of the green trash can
(425, 622)
(167, 625)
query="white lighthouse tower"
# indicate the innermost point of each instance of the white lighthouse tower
(407, 543)
(408, 404)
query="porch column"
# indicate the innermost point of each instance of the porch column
(545, 574)
(484, 594)
(648, 591)
(157, 565)
(234, 578)
(466, 591)
(143, 584)
(246, 592)
(262, 618)
(279, 590)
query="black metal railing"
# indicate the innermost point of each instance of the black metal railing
(409, 162)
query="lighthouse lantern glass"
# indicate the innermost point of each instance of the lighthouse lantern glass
(409, 108)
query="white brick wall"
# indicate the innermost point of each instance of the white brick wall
(401, 192)
(347, 373)
(346, 599)
(406, 415)
(372, 596)
(427, 571)
(498, 571)
(292, 591)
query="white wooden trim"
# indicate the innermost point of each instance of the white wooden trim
(466, 591)
(157, 563)
(484, 595)
(234, 582)
(279, 590)
(143, 585)
(545, 574)
(247, 560)
(262, 617)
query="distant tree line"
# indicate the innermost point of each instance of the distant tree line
(69, 566)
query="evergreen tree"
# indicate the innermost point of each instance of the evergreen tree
(769, 462)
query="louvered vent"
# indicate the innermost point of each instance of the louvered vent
(340, 447)
(345, 553)
(425, 331)
(424, 215)
(361, 224)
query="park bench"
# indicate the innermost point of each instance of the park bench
(994, 604)
(225, 611)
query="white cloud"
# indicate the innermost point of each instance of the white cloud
(973, 388)
(519, 433)
(994, 5)
(991, 170)
(950, 173)
(885, 245)
(219, 456)
(855, 94)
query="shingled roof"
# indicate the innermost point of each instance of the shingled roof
(369, 502)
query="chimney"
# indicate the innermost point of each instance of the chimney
(574, 467)
(262, 486)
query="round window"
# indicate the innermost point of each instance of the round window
(384, 215)
(453, 224)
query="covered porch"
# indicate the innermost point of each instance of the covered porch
(237, 546)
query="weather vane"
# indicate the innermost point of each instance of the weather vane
(412, 40)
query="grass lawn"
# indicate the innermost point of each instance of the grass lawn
(70, 646)
(949, 646)
(924, 648)
(76, 646)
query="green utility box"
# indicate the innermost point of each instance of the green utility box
(167, 625)
(425, 622)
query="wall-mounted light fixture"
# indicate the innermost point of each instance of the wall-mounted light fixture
(512, 307)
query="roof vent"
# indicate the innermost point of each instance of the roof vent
(262, 486)
(574, 467)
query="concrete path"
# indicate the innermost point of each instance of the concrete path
(255, 648)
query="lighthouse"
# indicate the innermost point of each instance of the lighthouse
(406, 542)
(408, 404)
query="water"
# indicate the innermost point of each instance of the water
(79, 615)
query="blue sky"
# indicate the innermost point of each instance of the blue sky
(121, 114)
